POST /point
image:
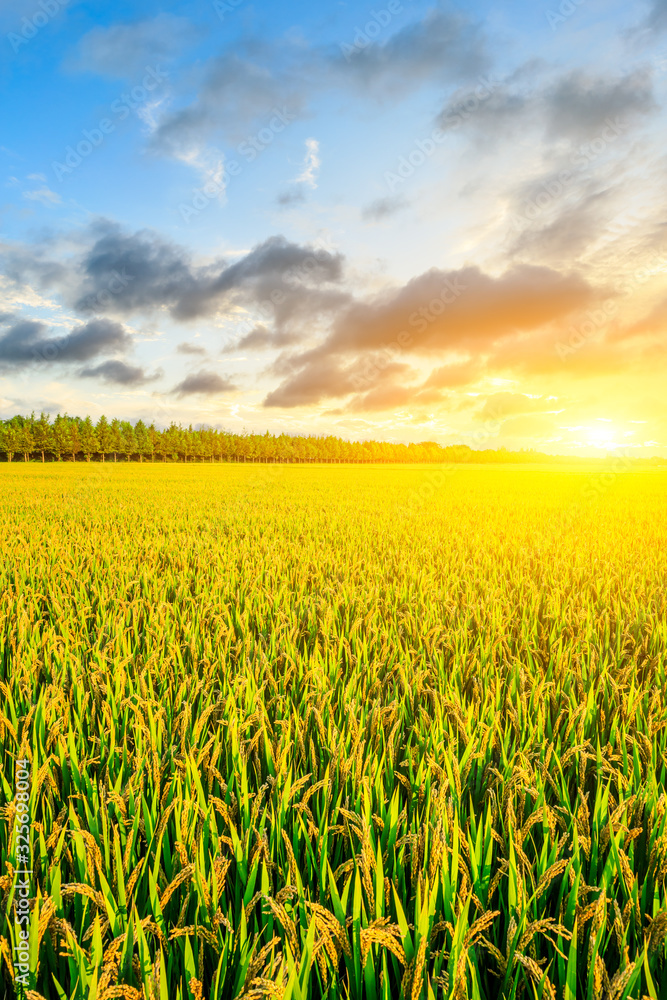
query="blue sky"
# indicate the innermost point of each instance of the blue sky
(228, 213)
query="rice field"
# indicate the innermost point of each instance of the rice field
(331, 731)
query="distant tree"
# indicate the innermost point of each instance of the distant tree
(61, 436)
(155, 439)
(171, 438)
(144, 444)
(88, 436)
(25, 440)
(104, 437)
(43, 435)
(10, 440)
(128, 438)
(116, 436)
(74, 439)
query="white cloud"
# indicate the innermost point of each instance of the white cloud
(311, 164)
(44, 195)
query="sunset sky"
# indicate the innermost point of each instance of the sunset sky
(404, 220)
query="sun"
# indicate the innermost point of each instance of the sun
(601, 435)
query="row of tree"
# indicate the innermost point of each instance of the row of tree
(79, 439)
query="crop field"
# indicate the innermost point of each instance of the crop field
(331, 731)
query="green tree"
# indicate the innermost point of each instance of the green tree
(144, 443)
(172, 441)
(43, 435)
(10, 443)
(88, 436)
(104, 437)
(74, 439)
(129, 446)
(116, 437)
(61, 436)
(25, 440)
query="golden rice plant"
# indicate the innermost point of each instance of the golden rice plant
(290, 736)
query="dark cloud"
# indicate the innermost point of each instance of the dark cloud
(295, 197)
(25, 343)
(444, 45)
(262, 339)
(575, 106)
(244, 85)
(384, 208)
(122, 273)
(202, 383)
(188, 348)
(579, 105)
(119, 373)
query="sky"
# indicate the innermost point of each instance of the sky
(404, 221)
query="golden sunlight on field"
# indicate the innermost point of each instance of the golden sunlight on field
(316, 732)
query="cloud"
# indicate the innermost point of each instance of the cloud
(241, 88)
(260, 339)
(202, 383)
(25, 343)
(294, 197)
(578, 105)
(383, 208)
(122, 51)
(437, 312)
(446, 310)
(454, 375)
(243, 85)
(324, 379)
(443, 46)
(573, 106)
(119, 373)
(44, 196)
(389, 397)
(570, 222)
(656, 19)
(311, 164)
(140, 272)
(187, 348)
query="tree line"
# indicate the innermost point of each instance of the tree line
(78, 439)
